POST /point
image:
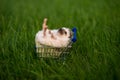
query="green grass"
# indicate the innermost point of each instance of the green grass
(95, 55)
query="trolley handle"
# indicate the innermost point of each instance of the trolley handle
(74, 39)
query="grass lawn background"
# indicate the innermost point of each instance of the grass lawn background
(95, 55)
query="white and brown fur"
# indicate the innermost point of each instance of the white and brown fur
(55, 38)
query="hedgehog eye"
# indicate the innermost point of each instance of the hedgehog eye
(65, 32)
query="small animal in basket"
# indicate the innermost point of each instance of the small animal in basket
(56, 38)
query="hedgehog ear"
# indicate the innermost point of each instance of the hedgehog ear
(61, 31)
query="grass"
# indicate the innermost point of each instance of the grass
(95, 55)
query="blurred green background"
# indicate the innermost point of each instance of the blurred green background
(95, 55)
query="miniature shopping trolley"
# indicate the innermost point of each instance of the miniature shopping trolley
(44, 51)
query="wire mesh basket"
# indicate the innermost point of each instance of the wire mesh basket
(44, 51)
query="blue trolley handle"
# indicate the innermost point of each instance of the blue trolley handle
(74, 39)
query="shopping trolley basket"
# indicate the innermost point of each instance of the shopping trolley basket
(54, 52)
